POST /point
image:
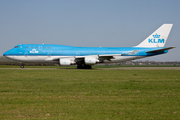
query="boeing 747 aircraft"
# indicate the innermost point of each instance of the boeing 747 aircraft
(85, 57)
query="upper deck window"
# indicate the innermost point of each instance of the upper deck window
(16, 47)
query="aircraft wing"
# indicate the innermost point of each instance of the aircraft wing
(159, 50)
(103, 57)
(108, 56)
(56, 59)
(79, 58)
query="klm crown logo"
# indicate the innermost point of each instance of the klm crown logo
(156, 36)
(156, 39)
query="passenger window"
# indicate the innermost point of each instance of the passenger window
(16, 47)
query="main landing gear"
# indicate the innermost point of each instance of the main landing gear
(84, 67)
(22, 65)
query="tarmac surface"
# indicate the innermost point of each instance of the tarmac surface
(116, 68)
(145, 68)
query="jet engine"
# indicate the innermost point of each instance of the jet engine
(90, 60)
(64, 62)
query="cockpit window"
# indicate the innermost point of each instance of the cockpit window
(16, 47)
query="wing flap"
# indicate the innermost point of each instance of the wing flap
(57, 59)
(108, 56)
(104, 57)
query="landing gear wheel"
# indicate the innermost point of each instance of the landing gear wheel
(88, 67)
(78, 67)
(22, 65)
(84, 66)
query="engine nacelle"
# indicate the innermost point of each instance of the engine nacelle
(90, 60)
(64, 62)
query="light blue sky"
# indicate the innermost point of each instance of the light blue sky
(89, 23)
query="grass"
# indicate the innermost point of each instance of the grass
(94, 66)
(74, 94)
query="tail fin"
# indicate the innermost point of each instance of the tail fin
(157, 38)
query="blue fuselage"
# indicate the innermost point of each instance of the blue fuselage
(62, 50)
(81, 56)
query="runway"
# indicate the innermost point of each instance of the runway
(144, 68)
(115, 68)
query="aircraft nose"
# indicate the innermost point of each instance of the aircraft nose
(5, 54)
(9, 52)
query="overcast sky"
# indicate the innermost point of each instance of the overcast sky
(88, 23)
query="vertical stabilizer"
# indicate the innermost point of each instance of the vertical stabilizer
(157, 38)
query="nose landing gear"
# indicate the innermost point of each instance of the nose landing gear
(22, 65)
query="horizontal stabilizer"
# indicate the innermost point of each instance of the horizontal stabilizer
(159, 50)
